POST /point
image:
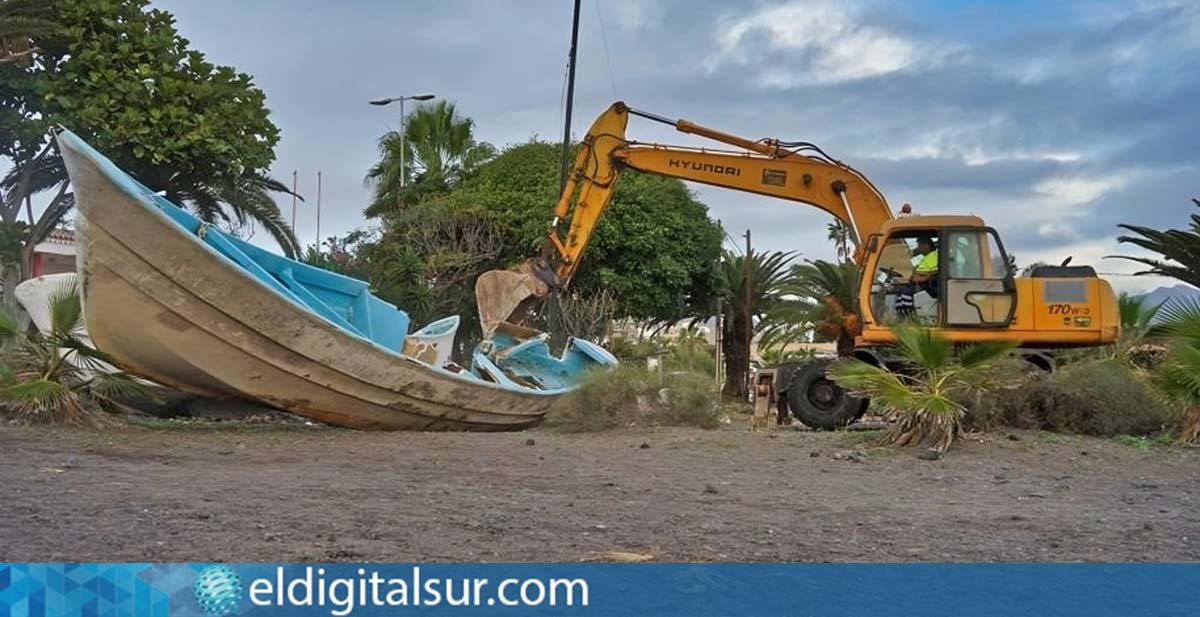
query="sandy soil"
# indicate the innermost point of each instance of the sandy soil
(294, 493)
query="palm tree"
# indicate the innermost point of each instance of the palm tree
(922, 403)
(20, 22)
(440, 152)
(839, 234)
(821, 297)
(1179, 374)
(1180, 249)
(753, 285)
(56, 377)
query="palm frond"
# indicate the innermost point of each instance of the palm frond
(40, 174)
(17, 26)
(112, 386)
(1179, 248)
(66, 310)
(922, 347)
(205, 203)
(248, 198)
(1136, 314)
(85, 356)
(1179, 374)
(864, 380)
(1180, 318)
(36, 396)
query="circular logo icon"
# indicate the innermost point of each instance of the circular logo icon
(218, 590)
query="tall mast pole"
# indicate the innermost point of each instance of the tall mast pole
(745, 377)
(318, 212)
(566, 143)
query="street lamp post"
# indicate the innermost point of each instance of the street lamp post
(403, 147)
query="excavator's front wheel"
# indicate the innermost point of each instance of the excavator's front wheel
(818, 402)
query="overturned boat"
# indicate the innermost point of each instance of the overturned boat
(185, 304)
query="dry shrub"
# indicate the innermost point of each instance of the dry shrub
(1102, 398)
(1190, 431)
(633, 396)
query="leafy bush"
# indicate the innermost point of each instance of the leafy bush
(1102, 397)
(629, 351)
(633, 396)
(690, 352)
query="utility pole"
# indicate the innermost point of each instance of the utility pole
(318, 212)
(749, 283)
(566, 143)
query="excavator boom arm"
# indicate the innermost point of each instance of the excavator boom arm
(763, 167)
(798, 172)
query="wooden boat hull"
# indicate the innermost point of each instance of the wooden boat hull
(176, 311)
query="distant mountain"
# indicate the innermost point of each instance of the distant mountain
(1165, 294)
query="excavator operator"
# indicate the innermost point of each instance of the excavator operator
(924, 276)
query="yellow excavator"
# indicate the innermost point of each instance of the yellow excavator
(972, 295)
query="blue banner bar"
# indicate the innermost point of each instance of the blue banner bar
(692, 590)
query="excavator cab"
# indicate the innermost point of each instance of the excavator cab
(972, 287)
(976, 294)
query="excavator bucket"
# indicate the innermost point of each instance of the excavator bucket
(507, 295)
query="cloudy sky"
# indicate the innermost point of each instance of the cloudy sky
(1053, 120)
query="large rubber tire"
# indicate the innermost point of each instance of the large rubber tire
(820, 403)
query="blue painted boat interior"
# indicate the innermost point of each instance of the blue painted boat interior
(347, 303)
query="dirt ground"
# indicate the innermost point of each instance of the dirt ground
(299, 494)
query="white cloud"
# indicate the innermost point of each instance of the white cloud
(1066, 191)
(822, 42)
(978, 156)
(631, 15)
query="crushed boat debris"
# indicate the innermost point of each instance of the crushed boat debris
(185, 304)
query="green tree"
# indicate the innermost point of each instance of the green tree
(23, 124)
(1179, 374)
(440, 152)
(752, 285)
(56, 377)
(654, 250)
(922, 402)
(121, 76)
(1179, 248)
